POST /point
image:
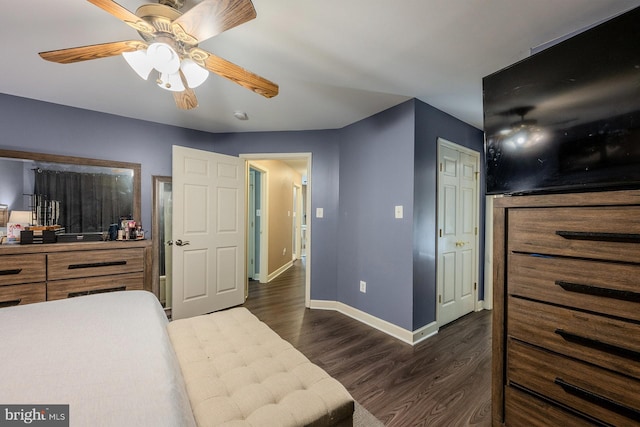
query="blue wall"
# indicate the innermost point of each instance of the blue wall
(324, 186)
(376, 174)
(359, 173)
(432, 124)
(30, 125)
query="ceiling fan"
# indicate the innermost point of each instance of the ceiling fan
(170, 45)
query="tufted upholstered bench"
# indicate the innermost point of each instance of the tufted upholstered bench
(239, 372)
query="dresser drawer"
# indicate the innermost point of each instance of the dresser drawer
(601, 394)
(61, 289)
(22, 294)
(524, 409)
(69, 265)
(607, 342)
(609, 233)
(22, 269)
(603, 287)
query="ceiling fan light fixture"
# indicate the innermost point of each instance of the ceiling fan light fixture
(163, 58)
(195, 74)
(140, 63)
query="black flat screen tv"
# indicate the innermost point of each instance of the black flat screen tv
(567, 119)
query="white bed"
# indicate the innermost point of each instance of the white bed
(108, 356)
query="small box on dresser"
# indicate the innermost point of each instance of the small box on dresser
(566, 331)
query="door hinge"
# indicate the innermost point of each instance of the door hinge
(477, 174)
(475, 286)
(440, 167)
(476, 231)
(440, 232)
(439, 299)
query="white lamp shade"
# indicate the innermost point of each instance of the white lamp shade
(140, 62)
(20, 217)
(163, 58)
(195, 74)
(171, 82)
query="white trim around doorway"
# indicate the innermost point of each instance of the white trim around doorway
(285, 157)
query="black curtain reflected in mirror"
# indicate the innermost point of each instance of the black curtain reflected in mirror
(89, 202)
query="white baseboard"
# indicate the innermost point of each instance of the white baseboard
(425, 332)
(279, 271)
(395, 331)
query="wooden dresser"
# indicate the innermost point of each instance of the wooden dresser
(41, 272)
(566, 326)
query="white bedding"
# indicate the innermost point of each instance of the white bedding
(108, 356)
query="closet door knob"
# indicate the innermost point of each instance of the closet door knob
(181, 243)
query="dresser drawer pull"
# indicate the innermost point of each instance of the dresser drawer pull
(599, 345)
(598, 291)
(11, 303)
(10, 272)
(600, 237)
(596, 399)
(97, 264)
(96, 291)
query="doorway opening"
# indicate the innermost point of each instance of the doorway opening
(161, 231)
(255, 238)
(296, 212)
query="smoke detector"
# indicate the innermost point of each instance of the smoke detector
(240, 115)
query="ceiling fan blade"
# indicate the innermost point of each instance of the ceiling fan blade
(124, 15)
(235, 73)
(185, 100)
(96, 51)
(212, 17)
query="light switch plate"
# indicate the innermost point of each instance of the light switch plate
(399, 212)
(319, 213)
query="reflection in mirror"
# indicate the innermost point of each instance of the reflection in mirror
(81, 201)
(79, 194)
(161, 230)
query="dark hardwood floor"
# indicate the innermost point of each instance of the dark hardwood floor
(443, 381)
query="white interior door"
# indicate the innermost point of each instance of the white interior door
(208, 232)
(457, 267)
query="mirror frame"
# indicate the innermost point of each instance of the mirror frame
(55, 158)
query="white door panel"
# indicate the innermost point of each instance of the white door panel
(457, 225)
(208, 270)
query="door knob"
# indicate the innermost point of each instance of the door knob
(181, 243)
(460, 244)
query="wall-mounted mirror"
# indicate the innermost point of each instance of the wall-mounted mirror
(84, 195)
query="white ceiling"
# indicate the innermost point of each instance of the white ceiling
(336, 61)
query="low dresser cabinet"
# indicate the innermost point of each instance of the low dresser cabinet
(40, 272)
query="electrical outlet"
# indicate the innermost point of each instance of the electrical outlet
(363, 286)
(284, 251)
